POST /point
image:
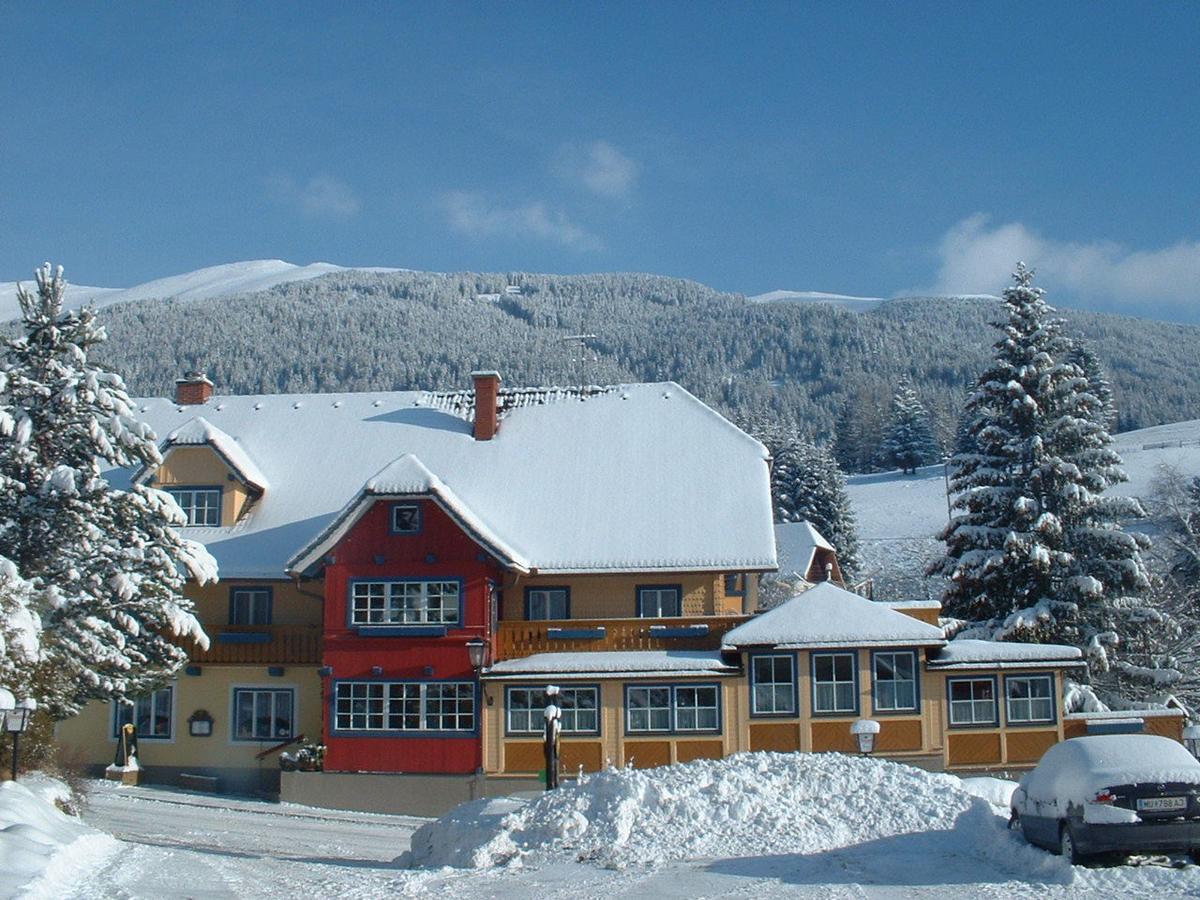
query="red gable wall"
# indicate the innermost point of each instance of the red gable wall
(439, 551)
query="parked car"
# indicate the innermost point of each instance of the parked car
(1122, 793)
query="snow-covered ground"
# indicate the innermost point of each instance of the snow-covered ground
(41, 848)
(754, 825)
(900, 515)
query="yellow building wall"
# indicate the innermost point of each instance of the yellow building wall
(89, 737)
(202, 466)
(289, 606)
(523, 755)
(615, 596)
(993, 746)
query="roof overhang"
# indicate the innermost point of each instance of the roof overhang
(834, 645)
(312, 554)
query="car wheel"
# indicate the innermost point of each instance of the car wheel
(1066, 844)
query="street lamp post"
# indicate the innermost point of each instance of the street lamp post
(15, 719)
(477, 655)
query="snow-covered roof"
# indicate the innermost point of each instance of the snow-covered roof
(796, 543)
(829, 616)
(632, 478)
(972, 654)
(910, 604)
(200, 432)
(613, 664)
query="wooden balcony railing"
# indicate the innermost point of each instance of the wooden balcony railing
(262, 645)
(517, 639)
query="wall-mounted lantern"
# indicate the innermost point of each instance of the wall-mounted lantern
(477, 652)
(864, 731)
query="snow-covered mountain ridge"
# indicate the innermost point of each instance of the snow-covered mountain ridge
(213, 281)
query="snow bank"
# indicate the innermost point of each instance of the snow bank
(748, 804)
(996, 791)
(33, 834)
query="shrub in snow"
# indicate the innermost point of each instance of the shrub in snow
(110, 564)
(1035, 550)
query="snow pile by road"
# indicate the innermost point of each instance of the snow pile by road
(34, 834)
(749, 804)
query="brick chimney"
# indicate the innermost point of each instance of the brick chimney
(487, 391)
(193, 389)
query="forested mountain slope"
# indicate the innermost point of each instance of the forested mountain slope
(801, 362)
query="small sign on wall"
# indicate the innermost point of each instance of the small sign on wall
(200, 724)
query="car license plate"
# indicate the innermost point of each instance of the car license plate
(1161, 804)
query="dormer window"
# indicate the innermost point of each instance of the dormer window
(201, 505)
(406, 518)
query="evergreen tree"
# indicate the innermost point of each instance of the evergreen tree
(20, 630)
(110, 561)
(808, 486)
(1036, 551)
(1082, 354)
(910, 442)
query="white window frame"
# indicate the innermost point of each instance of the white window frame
(388, 602)
(877, 681)
(186, 499)
(399, 707)
(673, 708)
(835, 683)
(774, 685)
(259, 601)
(155, 714)
(270, 696)
(1029, 700)
(974, 704)
(659, 592)
(547, 596)
(530, 718)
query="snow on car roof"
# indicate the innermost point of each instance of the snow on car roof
(639, 477)
(829, 616)
(970, 653)
(614, 663)
(1076, 769)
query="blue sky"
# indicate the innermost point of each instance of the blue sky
(861, 148)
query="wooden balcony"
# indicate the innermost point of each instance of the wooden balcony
(517, 639)
(260, 645)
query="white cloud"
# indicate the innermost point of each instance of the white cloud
(475, 215)
(600, 167)
(320, 196)
(977, 257)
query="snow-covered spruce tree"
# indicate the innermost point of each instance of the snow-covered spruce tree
(1082, 354)
(110, 561)
(909, 443)
(1036, 552)
(20, 630)
(807, 485)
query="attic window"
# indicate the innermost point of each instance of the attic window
(201, 505)
(406, 518)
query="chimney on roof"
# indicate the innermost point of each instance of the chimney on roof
(193, 389)
(487, 393)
